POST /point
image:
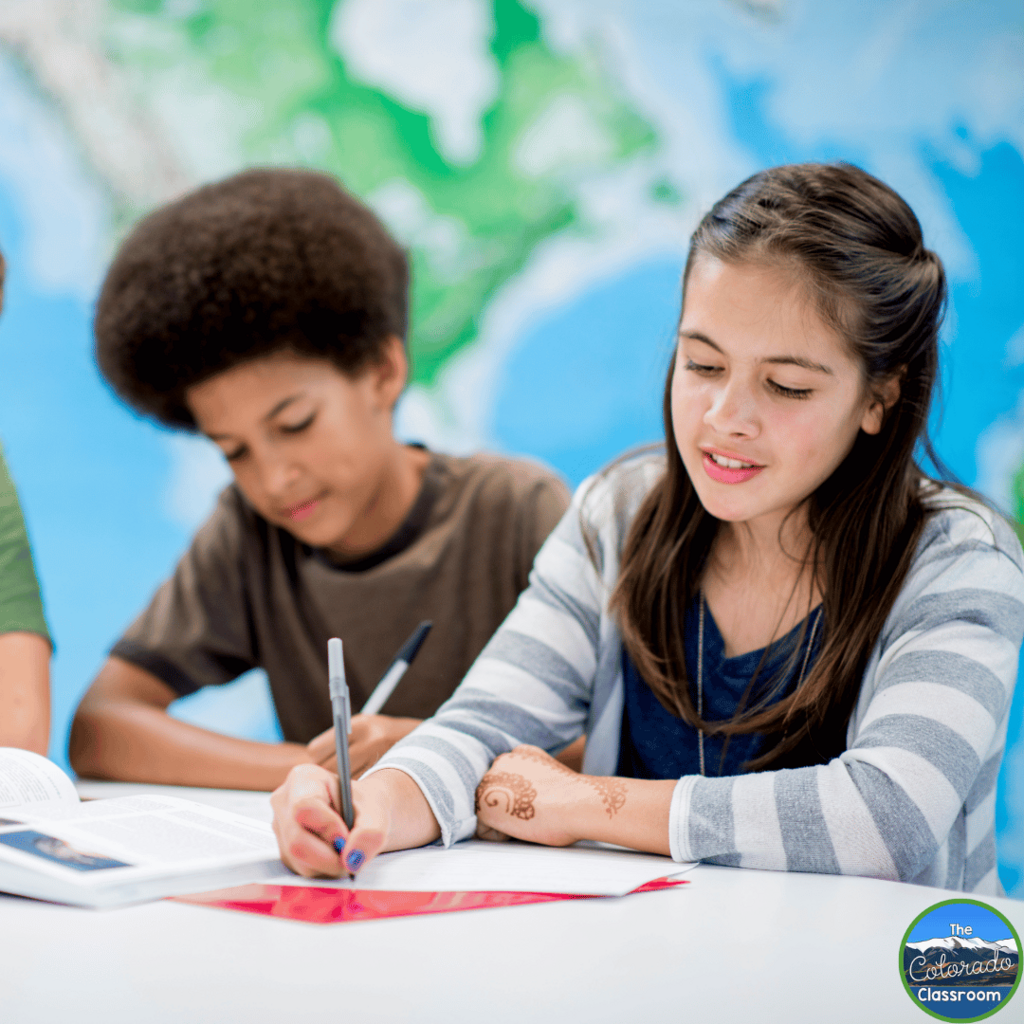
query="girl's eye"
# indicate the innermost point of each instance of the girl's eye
(297, 428)
(235, 455)
(781, 389)
(700, 368)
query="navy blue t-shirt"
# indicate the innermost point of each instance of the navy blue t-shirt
(655, 744)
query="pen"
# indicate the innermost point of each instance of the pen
(342, 725)
(403, 659)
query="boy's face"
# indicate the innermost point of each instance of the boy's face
(311, 447)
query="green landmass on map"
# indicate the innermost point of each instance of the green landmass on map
(1018, 503)
(276, 57)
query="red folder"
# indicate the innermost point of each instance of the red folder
(322, 905)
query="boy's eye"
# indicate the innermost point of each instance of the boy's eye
(781, 389)
(700, 368)
(295, 428)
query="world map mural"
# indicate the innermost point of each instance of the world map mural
(544, 163)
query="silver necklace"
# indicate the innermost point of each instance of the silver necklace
(700, 672)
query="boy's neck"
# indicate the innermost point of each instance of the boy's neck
(399, 485)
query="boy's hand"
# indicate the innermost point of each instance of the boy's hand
(529, 795)
(371, 738)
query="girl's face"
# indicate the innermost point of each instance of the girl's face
(766, 398)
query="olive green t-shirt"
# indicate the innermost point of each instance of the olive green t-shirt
(21, 608)
(247, 594)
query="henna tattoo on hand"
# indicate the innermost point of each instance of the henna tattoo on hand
(612, 791)
(516, 790)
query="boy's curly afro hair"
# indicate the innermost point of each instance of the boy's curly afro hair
(264, 261)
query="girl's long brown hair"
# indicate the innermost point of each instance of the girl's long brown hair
(858, 248)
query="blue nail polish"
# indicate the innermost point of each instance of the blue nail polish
(339, 843)
(354, 859)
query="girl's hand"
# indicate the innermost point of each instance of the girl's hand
(390, 814)
(529, 795)
(371, 738)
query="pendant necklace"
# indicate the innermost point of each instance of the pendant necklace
(700, 671)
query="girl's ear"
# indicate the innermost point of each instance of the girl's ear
(883, 397)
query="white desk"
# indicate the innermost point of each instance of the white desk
(732, 946)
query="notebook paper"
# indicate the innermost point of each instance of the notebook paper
(478, 866)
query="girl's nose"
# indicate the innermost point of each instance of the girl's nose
(733, 412)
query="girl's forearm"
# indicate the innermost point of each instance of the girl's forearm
(626, 812)
(529, 795)
(411, 822)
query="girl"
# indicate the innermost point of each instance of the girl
(787, 647)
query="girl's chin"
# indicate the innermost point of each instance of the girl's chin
(731, 511)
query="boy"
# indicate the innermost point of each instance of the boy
(24, 638)
(269, 311)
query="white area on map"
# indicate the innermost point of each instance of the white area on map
(431, 56)
(65, 210)
(444, 240)
(311, 136)
(565, 134)
(1015, 348)
(61, 43)
(999, 456)
(625, 228)
(206, 122)
(676, 56)
(198, 474)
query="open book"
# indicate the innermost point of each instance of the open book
(123, 850)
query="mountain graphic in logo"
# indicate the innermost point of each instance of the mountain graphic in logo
(960, 961)
(956, 960)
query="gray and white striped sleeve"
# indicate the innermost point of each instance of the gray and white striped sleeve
(927, 731)
(531, 684)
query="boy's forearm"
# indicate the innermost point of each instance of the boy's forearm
(133, 742)
(122, 731)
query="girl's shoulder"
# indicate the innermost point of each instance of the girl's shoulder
(610, 498)
(960, 525)
(968, 563)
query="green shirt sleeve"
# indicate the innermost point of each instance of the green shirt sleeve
(21, 607)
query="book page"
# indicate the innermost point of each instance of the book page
(136, 832)
(26, 778)
(478, 866)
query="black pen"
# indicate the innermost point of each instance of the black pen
(403, 659)
(342, 725)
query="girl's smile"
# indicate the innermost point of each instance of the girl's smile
(728, 468)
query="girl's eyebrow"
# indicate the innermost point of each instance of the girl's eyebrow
(804, 364)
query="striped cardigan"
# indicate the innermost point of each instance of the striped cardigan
(911, 798)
